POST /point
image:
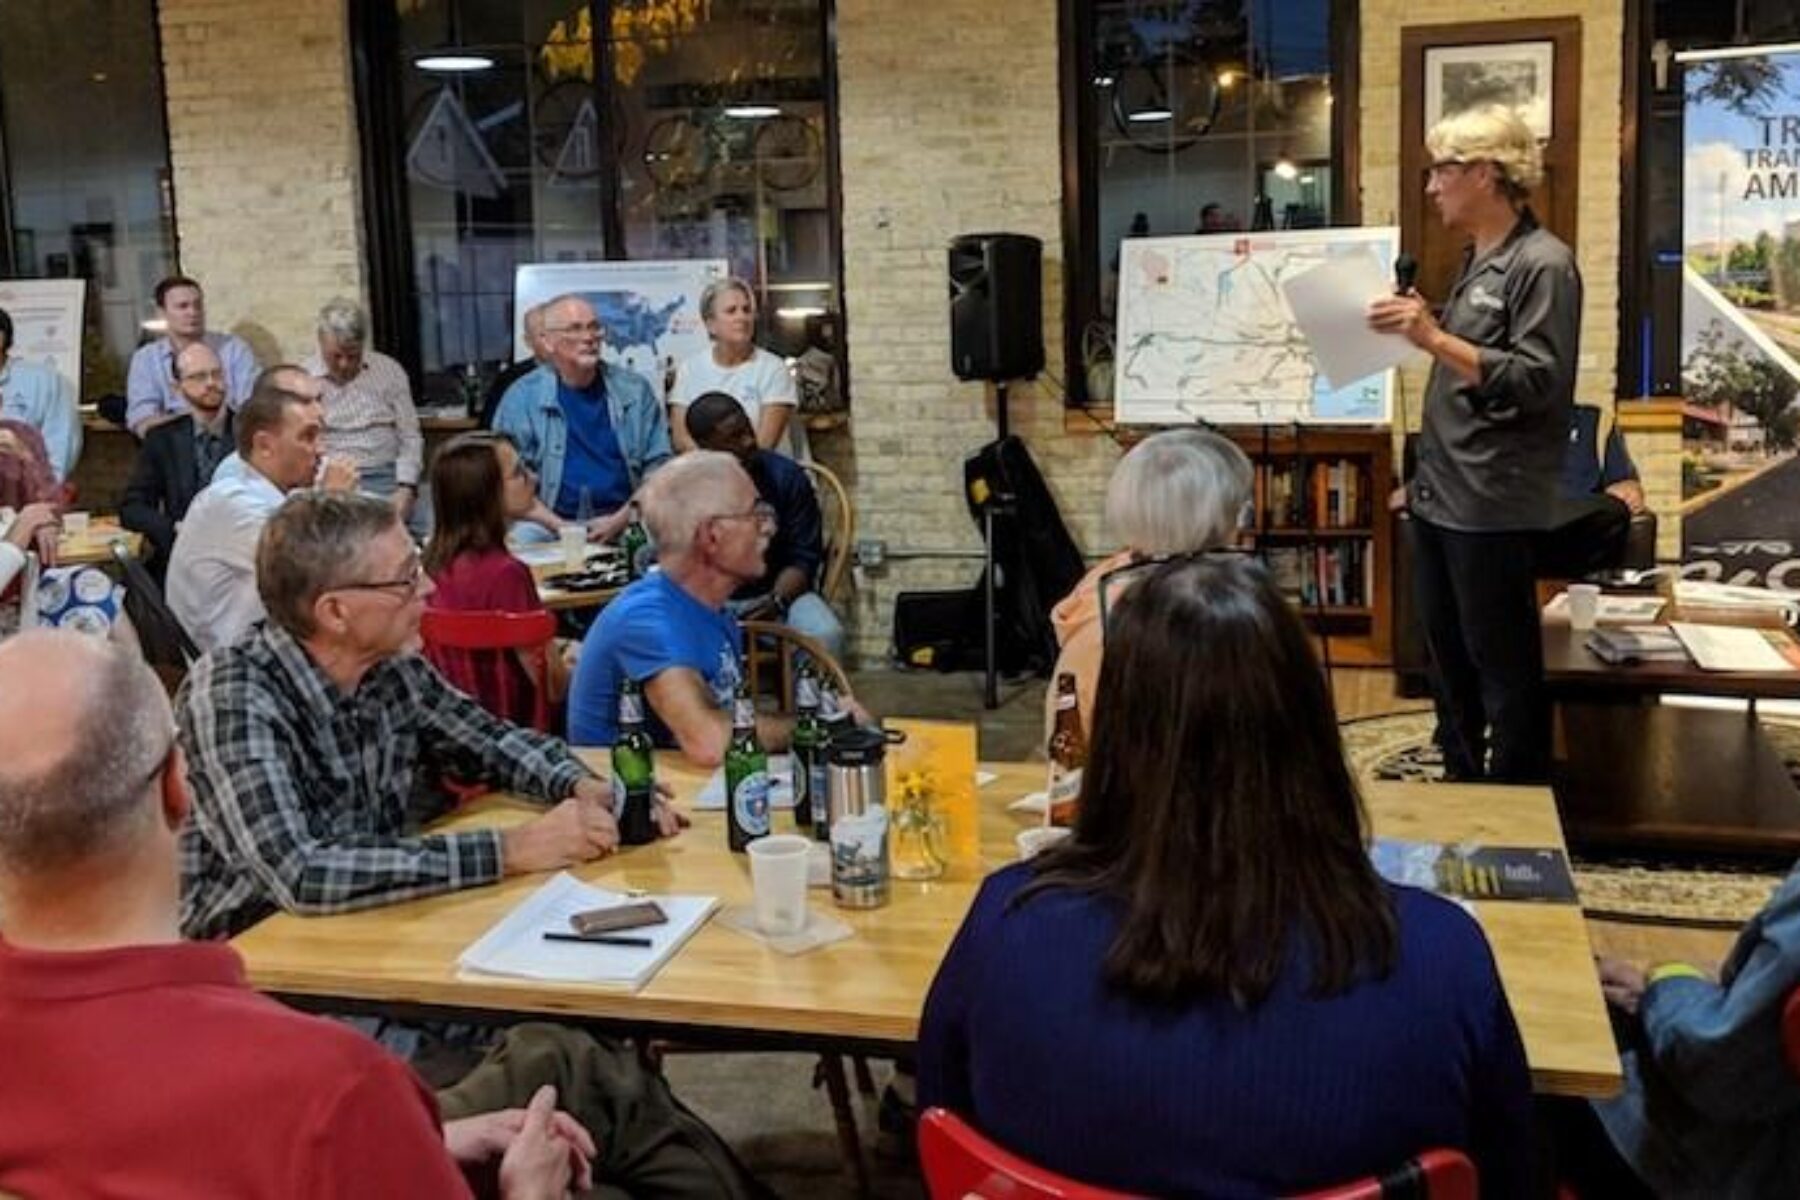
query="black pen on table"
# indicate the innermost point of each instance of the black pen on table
(600, 939)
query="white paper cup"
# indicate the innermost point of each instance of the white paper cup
(778, 874)
(574, 546)
(1584, 605)
(75, 524)
(1040, 838)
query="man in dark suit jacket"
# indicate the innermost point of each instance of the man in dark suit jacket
(178, 457)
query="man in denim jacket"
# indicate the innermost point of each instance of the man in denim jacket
(1711, 1107)
(590, 430)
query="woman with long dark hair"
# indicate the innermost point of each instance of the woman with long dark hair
(479, 486)
(1206, 989)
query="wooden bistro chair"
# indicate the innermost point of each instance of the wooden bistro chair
(530, 632)
(960, 1164)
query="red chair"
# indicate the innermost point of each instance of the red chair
(959, 1164)
(1790, 1030)
(530, 632)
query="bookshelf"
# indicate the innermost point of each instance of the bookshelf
(1323, 526)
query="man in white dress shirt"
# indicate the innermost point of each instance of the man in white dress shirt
(212, 570)
(370, 418)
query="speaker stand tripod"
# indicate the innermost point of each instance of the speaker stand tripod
(997, 504)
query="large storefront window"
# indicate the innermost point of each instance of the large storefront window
(84, 164)
(1196, 116)
(558, 131)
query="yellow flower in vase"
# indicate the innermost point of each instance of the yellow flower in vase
(918, 828)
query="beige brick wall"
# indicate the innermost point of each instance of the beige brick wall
(949, 124)
(263, 145)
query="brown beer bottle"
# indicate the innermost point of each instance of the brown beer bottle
(1068, 755)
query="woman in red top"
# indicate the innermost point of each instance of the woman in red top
(479, 486)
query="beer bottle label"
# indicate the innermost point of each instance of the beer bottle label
(631, 709)
(750, 803)
(1063, 792)
(806, 692)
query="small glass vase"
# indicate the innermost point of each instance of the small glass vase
(918, 851)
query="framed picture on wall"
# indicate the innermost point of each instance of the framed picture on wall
(1517, 74)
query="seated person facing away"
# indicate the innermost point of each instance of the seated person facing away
(178, 456)
(1175, 492)
(308, 740)
(590, 430)
(1224, 998)
(370, 417)
(212, 567)
(1711, 1107)
(1600, 495)
(175, 1048)
(150, 392)
(784, 592)
(671, 631)
(36, 395)
(479, 486)
(736, 365)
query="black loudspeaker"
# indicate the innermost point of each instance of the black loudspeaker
(996, 306)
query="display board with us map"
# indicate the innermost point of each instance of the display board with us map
(1205, 332)
(650, 310)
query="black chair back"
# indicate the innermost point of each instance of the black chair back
(165, 643)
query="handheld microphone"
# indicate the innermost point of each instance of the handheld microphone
(1406, 273)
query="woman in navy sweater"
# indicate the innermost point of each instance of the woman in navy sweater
(1207, 990)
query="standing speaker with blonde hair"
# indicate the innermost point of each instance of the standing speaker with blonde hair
(1504, 346)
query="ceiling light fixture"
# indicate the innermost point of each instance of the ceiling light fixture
(752, 112)
(1285, 168)
(454, 64)
(1146, 116)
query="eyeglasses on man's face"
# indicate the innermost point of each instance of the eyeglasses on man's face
(1449, 166)
(406, 584)
(762, 512)
(582, 329)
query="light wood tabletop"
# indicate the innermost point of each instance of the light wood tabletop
(868, 990)
(546, 562)
(94, 547)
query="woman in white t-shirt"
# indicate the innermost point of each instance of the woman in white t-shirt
(735, 365)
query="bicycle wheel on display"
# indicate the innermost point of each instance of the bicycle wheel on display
(1166, 103)
(789, 152)
(676, 153)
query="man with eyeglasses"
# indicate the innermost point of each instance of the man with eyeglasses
(312, 741)
(1493, 439)
(591, 430)
(178, 457)
(212, 566)
(672, 631)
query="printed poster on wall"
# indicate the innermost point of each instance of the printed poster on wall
(46, 317)
(650, 310)
(1740, 319)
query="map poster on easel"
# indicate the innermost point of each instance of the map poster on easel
(1206, 332)
(650, 310)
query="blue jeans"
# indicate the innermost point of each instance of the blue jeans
(810, 615)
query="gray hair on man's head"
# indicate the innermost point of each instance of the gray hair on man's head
(717, 288)
(316, 541)
(1179, 491)
(344, 322)
(683, 494)
(91, 802)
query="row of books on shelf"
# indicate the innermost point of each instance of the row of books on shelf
(1304, 494)
(1336, 574)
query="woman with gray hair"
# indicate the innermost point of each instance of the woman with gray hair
(1177, 492)
(1492, 441)
(736, 365)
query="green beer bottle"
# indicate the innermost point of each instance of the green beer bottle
(746, 776)
(633, 770)
(808, 744)
(634, 544)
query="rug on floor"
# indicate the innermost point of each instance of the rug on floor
(1680, 890)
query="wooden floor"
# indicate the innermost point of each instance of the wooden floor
(1370, 693)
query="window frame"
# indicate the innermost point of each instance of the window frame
(1081, 194)
(394, 308)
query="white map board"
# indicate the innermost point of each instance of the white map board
(46, 317)
(1205, 332)
(650, 310)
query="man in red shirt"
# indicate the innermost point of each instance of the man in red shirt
(138, 1064)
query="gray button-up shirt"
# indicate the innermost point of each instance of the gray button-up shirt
(1491, 453)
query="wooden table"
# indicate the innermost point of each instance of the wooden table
(557, 599)
(866, 993)
(94, 548)
(1632, 774)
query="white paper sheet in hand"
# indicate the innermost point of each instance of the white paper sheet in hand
(516, 946)
(1331, 305)
(781, 786)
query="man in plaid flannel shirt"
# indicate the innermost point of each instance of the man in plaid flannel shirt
(311, 740)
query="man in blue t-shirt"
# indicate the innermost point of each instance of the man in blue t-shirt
(671, 630)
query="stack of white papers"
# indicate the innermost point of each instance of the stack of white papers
(1622, 610)
(1701, 593)
(1731, 647)
(517, 947)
